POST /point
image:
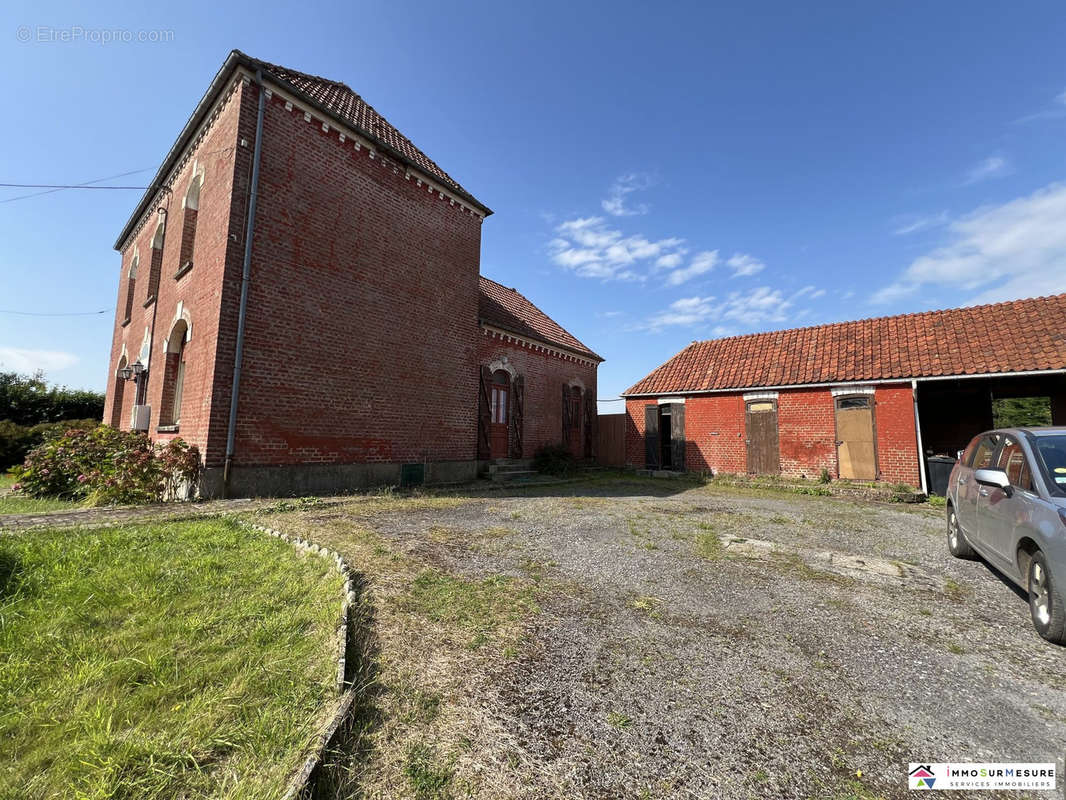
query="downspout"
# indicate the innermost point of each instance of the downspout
(242, 314)
(918, 434)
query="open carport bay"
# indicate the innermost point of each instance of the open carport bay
(664, 639)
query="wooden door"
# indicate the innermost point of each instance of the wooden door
(499, 413)
(651, 437)
(856, 451)
(677, 436)
(764, 457)
(575, 437)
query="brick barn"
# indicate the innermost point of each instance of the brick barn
(866, 400)
(299, 296)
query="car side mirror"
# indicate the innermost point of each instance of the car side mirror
(993, 477)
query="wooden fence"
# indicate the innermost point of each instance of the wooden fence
(611, 451)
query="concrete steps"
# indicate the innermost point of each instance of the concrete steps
(503, 470)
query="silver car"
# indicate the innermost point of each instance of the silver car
(1006, 501)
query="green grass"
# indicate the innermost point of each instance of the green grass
(479, 608)
(185, 659)
(708, 545)
(19, 504)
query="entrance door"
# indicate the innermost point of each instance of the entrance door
(499, 413)
(856, 453)
(764, 458)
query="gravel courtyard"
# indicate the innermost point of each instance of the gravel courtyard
(683, 641)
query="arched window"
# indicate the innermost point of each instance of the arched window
(174, 376)
(191, 206)
(131, 284)
(118, 395)
(157, 262)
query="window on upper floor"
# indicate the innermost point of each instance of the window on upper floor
(190, 210)
(156, 264)
(131, 285)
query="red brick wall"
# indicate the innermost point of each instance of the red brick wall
(545, 375)
(361, 342)
(715, 432)
(199, 291)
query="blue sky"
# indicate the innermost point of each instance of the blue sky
(659, 173)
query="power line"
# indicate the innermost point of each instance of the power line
(55, 313)
(63, 186)
(60, 187)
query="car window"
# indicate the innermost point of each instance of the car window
(1012, 460)
(982, 454)
(1051, 450)
(968, 454)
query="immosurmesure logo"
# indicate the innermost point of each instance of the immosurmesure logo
(1016, 776)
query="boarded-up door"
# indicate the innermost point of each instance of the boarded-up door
(764, 458)
(518, 414)
(651, 437)
(856, 452)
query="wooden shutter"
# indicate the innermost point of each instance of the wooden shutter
(590, 425)
(518, 386)
(651, 437)
(484, 450)
(567, 424)
(677, 435)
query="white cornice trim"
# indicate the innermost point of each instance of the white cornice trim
(559, 352)
(760, 396)
(667, 401)
(857, 388)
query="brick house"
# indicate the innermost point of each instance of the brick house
(865, 400)
(299, 296)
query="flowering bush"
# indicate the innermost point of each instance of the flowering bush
(104, 465)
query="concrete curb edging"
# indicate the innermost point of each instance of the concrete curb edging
(300, 784)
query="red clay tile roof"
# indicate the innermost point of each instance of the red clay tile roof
(505, 308)
(338, 98)
(1016, 336)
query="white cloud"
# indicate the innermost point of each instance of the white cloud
(755, 307)
(913, 224)
(22, 359)
(991, 167)
(744, 264)
(670, 260)
(615, 202)
(1017, 249)
(1056, 111)
(702, 263)
(593, 249)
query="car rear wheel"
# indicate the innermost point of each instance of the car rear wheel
(1045, 601)
(957, 544)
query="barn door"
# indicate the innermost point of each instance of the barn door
(518, 405)
(484, 414)
(651, 437)
(856, 452)
(764, 458)
(677, 436)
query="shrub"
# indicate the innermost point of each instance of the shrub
(17, 440)
(26, 400)
(554, 459)
(103, 465)
(825, 477)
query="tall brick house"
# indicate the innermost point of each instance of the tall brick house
(862, 400)
(300, 297)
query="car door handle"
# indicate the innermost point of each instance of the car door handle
(983, 492)
(962, 481)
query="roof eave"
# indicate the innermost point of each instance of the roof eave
(588, 354)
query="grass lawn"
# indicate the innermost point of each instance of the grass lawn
(184, 659)
(19, 504)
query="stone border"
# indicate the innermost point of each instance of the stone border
(301, 784)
